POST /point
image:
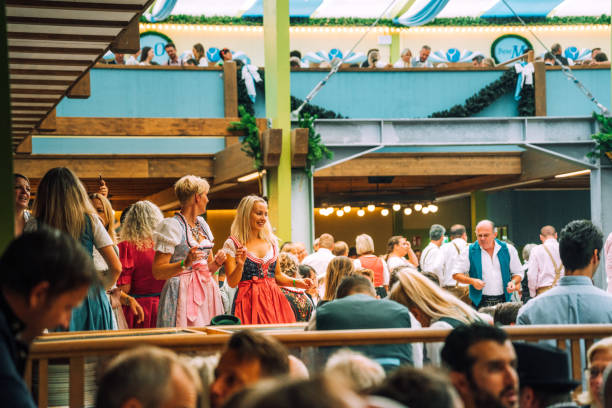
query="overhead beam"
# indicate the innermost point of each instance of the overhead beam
(232, 163)
(44, 61)
(75, 5)
(113, 166)
(65, 22)
(165, 199)
(45, 72)
(537, 165)
(69, 126)
(60, 37)
(471, 184)
(430, 164)
(56, 50)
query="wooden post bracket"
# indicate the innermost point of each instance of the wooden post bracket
(81, 89)
(299, 147)
(272, 145)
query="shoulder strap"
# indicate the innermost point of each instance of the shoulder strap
(557, 268)
(456, 247)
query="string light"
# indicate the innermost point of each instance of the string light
(396, 207)
(371, 207)
(339, 213)
(425, 210)
(407, 211)
(347, 209)
(323, 212)
(384, 212)
(418, 207)
(433, 208)
(360, 212)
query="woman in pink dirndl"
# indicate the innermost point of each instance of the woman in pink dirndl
(183, 256)
(251, 264)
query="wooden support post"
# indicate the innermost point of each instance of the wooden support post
(299, 147)
(49, 123)
(230, 89)
(76, 387)
(7, 194)
(128, 41)
(272, 144)
(81, 89)
(43, 382)
(530, 56)
(539, 88)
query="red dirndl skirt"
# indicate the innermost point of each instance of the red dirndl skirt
(260, 301)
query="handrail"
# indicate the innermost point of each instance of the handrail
(529, 55)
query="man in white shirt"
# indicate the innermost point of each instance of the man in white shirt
(545, 266)
(423, 59)
(491, 267)
(431, 257)
(320, 259)
(450, 252)
(404, 61)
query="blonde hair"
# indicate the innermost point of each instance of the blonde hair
(584, 398)
(187, 186)
(340, 248)
(364, 244)
(337, 269)
(368, 273)
(241, 226)
(140, 223)
(288, 264)
(62, 202)
(414, 290)
(109, 213)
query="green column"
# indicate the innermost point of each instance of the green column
(278, 109)
(7, 200)
(478, 209)
(394, 51)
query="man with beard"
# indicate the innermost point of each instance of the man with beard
(482, 365)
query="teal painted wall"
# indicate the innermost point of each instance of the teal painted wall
(563, 98)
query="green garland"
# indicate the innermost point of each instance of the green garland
(251, 143)
(603, 137)
(364, 22)
(316, 149)
(489, 94)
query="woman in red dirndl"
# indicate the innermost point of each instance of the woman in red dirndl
(252, 265)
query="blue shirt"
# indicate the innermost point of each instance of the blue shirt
(574, 301)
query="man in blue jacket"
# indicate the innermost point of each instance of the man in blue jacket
(43, 276)
(491, 267)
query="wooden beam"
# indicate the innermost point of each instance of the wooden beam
(272, 144)
(231, 164)
(539, 83)
(230, 89)
(81, 89)
(34, 100)
(115, 166)
(472, 184)
(61, 37)
(69, 126)
(128, 41)
(17, 81)
(25, 146)
(66, 22)
(537, 165)
(76, 5)
(58, 92)
(56, 50)
(429, 164)
(299, 147)
(165, 199)
(45, 72)
(49, 123)
(44, 61)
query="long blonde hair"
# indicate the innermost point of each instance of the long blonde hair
(414, 290)
(109, 213)
(140, 222)
(62, 202)
(338, 268)
(241, 226)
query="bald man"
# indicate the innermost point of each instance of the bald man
(545, 266)
(491, 267)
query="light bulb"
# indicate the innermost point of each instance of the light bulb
(396, 207)
(418, 207)
(384, 212)
(425, 210)
(407, 210)
(339, 213)
(433, 208)
(323, 211)
(360, 212)
(371, 207)
(347, 209)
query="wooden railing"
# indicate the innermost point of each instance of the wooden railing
(77, 346)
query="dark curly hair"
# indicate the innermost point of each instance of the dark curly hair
(577, 243)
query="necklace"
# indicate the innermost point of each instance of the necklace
(195, 232)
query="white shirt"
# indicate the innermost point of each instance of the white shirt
(400, 63)
(541, 271)
(450, 252)
(416, 63)
(357, 265)
(319, 261)
(491, 270)
(432, 260)
(395, 261)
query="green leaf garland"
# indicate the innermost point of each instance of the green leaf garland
(316, 149)
(603, 137)
(251, 144)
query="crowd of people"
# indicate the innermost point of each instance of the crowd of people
(197, 57)
(69, 270)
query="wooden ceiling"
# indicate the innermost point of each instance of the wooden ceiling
(52, 44)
